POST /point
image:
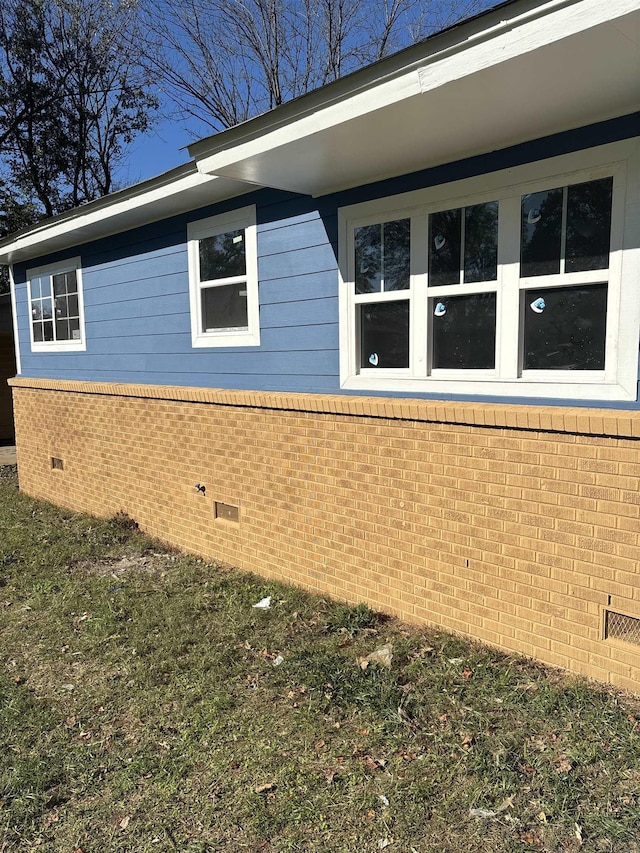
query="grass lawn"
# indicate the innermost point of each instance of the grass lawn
(146, 705)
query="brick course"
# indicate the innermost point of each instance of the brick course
(502, 522)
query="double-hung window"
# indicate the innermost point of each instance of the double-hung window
(515, 283)
(223, 277)
(55, 307)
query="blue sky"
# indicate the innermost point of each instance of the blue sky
(159, 150)
(165, 146)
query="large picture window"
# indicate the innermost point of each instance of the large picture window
(55, 307)
(224, 280)
(494, 288)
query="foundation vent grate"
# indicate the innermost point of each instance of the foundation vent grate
(621, 627)
(57, 464)
(227, 512)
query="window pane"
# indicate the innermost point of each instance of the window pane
(368, 245)
(224, 307)
(541, 233)
(564, 328)
(464, 331)
(38, 333)
(396, 258)
(46, 308)
(72, 305)
(59, 284)
(222, 256)
(47, 327)
(36, 287)
(384, 334)
(382, 256)
(588, 225)
(62, 308)
(481, 242)
(445, 238)
(62, 330)
(74, 329)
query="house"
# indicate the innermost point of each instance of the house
(7, 368)
(381, 342)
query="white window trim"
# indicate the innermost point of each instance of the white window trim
(243, 218)
(50, 270)
(619, 380)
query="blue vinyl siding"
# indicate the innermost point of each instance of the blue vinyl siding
(136, 288)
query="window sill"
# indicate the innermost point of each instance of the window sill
(227, 339)
(580, 388)
(59, 346)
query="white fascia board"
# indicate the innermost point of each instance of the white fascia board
(517, 36)
(14, 320)
(112, 214)
(521, 38)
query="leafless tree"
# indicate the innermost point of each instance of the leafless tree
(224, 61)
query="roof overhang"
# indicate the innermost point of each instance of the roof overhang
(177, 191)
(523, 71)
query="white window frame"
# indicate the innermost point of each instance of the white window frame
(236, 220)
(618, 380)
(49, 270)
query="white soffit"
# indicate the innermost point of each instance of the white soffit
(571, 63)
(147, 202)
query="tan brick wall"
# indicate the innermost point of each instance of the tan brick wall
(516, 525)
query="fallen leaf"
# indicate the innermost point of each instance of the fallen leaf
(578, 830)
(383, 656)
(124, 823)
(564, 766)
(264, 789)
(467, 673)
(482, 813)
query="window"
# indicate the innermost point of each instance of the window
(223, 277)
(488, 286)
(55, 307)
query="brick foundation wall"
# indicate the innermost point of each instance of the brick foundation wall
(516, 525)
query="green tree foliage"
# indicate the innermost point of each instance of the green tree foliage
(73, 96)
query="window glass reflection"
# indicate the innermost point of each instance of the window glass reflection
(464, 331)
(224, 307)
(588, 225)
(564, 328)
(384, 334)
(541, 233)
(481, 242)
(382, 256)
(445, 243)
(222, 256)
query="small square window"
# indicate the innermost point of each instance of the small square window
(55, 307)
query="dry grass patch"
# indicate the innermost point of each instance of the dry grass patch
(146, 705)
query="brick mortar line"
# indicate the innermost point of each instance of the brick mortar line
(597, 422)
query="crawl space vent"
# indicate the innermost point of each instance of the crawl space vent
(621, 627)
(228, 512)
